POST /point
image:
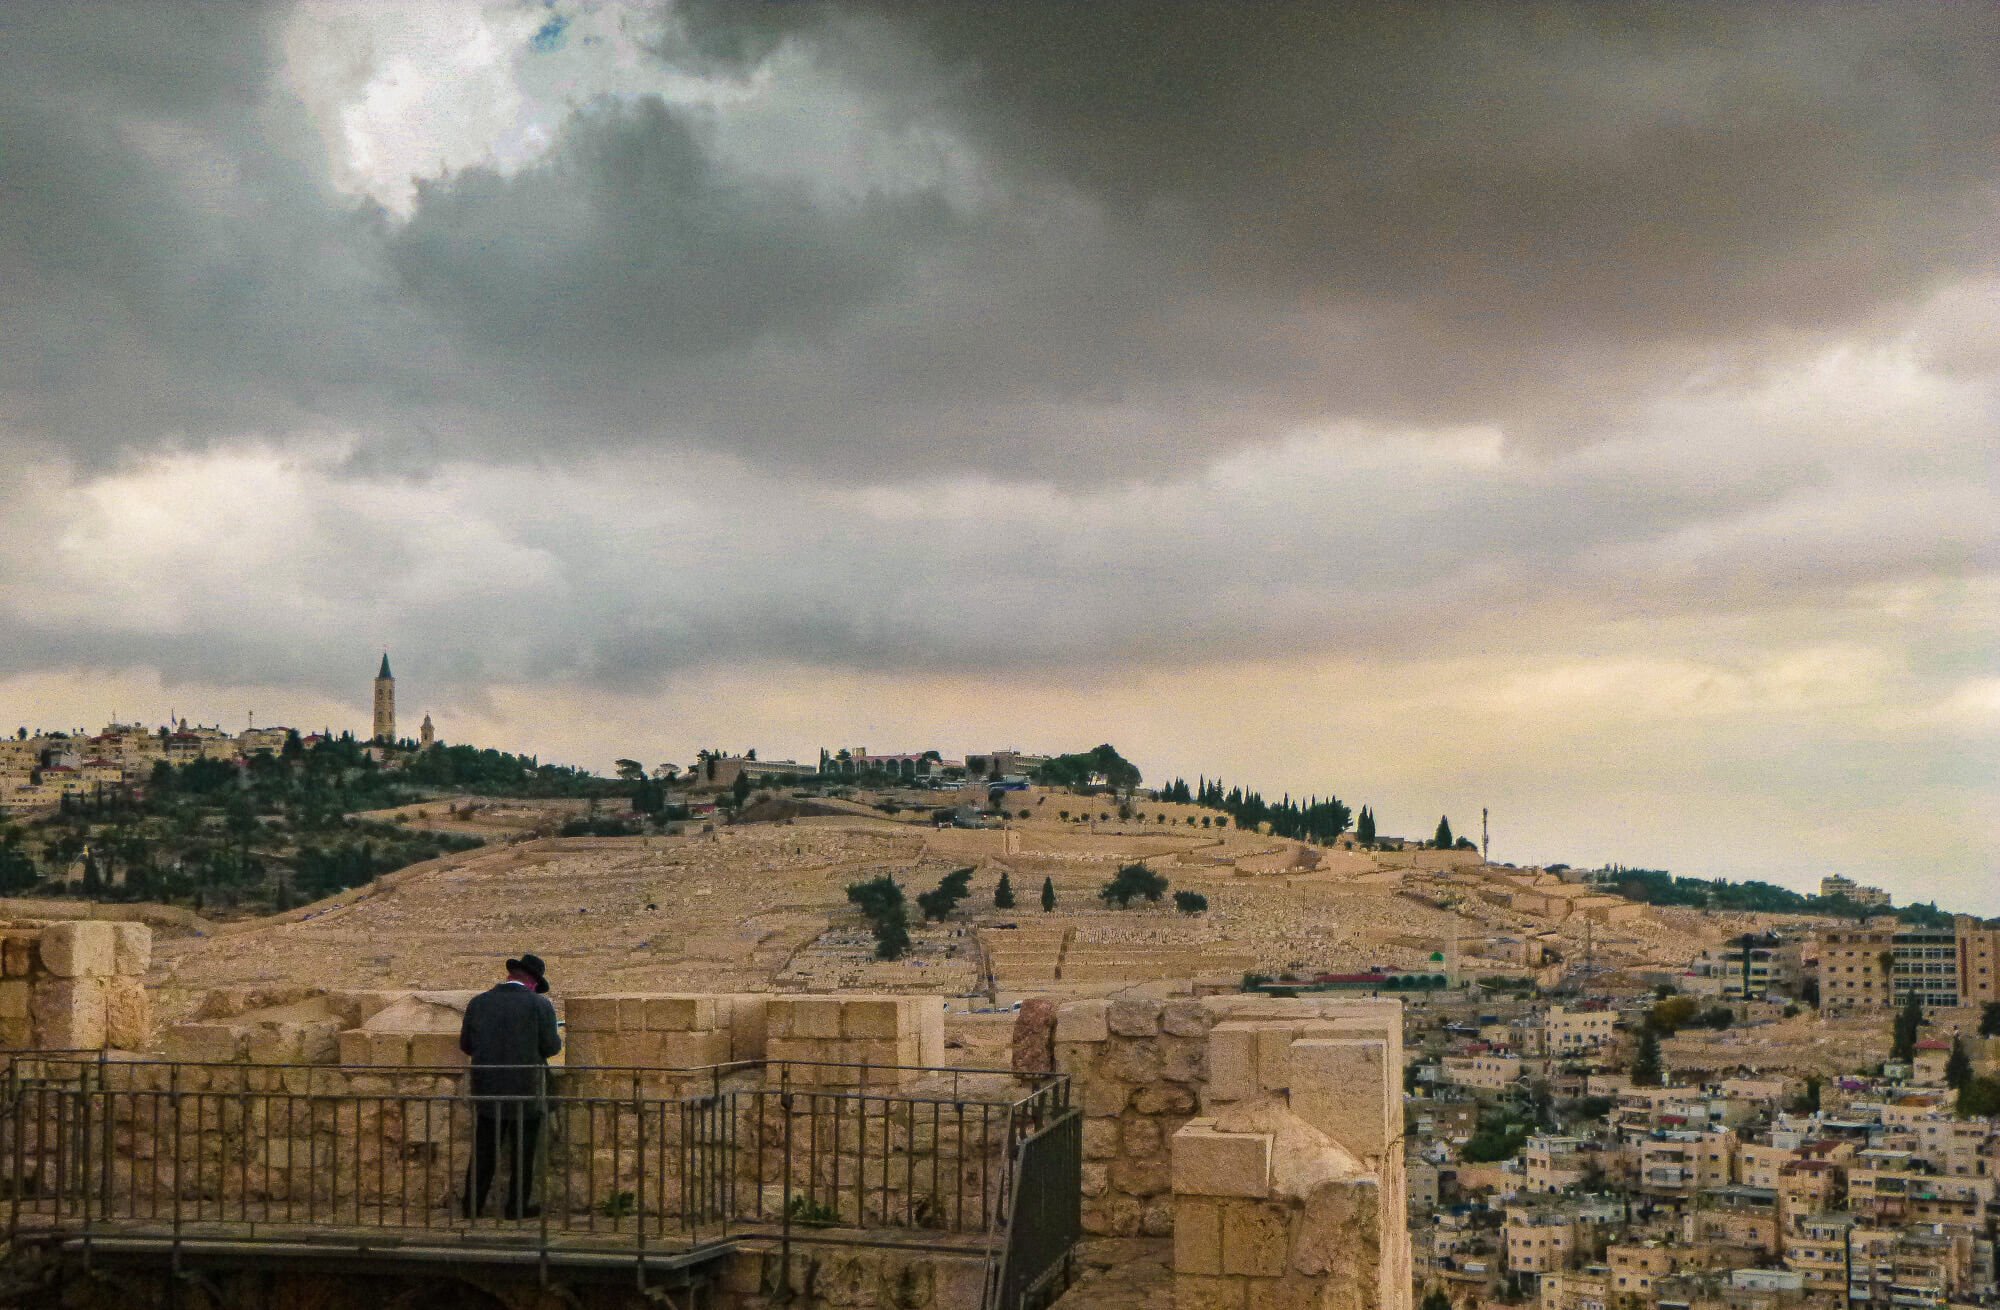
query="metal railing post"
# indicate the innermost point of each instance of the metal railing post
(639, 1183)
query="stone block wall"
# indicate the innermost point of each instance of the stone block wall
(881, 1040)
(75, 986)
(1250, 1128)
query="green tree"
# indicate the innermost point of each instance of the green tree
(1909, 1019)
(630, 770)
(942, 899)
(1435, 1299)
(1979, 1098)
(1364, 832)
(1989, 1020)
(1808, 1102)
(1646, 1067)
(1133, 881)
(1048, 895)
(1188, 902)
(1443, 840)
(880, 901)
(1958, 1069)
(1003, 895)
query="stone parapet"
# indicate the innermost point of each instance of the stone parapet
(75, 985)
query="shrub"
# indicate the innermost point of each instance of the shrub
(1190, 902)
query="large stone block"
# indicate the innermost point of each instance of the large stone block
(1032, 1046)
(747, 1018)
(1132, 1016)
(929, 1015)
(1339, 1086)
(1255, 1238)
(1274, 1058)
(1196, 1292)
(1197, 1235)
(591, 1014)
(1104, 1097)
(1232, 1062)
(1209, 1163)
(132, 951)
(203, 1043)
(17, 955)
(1083, 1021)
(1186, 1018)
(874, 1018)
(14, 998)
(436, 1050)
(128, 1014)
(79, 949)
(693, 1050)
(815, 1017)
(1100, 1139)
(673, 1014)
(68, 1013)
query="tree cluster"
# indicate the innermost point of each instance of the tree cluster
(1314, 819)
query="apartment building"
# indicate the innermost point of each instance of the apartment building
(1875, 965)
(1569, 1032)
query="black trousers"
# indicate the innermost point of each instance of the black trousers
(516, 1128)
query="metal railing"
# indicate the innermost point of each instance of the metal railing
(625, 1160)
(1046, 1218)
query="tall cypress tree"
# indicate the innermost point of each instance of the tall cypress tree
(1048, 894)
(1958, 1069)
(1908, 1020)
(1364, 827)
(1646, 1068)
(1444, 840)
(1003, 895)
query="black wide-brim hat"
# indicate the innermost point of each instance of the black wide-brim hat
(531, 964)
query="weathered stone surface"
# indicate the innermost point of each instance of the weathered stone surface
(1131, 1061)
(1034, 1040)
(1338, 1086)
(1095, 1177)
(1102, 1097)
(1141, 1177)
(128, 1014)
(1255, 1238)
(1100, 1139)
(1209, 1163)
(1157, 1219)
(14, 999)
(68, 1013)
(1133, 1017)
(132, 948)
(1183, 1060)
(1232, 1062)
(1140, 1137)
(79, 949)
(17, 956)
(203, 1043)
(1163, 1100)
(1338, 1232)
(1197, 1235)
(1075, 1058)
(1082, 1021)
(1194, 1292)
(1188, 1018)
(678, 1013)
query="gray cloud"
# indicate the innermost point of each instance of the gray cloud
(1207, 226)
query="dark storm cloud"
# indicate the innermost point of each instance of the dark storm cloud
(1209, 224)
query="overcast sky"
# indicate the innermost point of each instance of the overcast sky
(1586, 412)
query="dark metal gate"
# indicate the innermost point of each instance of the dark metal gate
(1045, 1218)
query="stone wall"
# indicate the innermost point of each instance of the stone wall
(1263, 1133)
(75, 986)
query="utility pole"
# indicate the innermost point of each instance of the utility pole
(1485, 848)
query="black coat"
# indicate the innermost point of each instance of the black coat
(509, 1025)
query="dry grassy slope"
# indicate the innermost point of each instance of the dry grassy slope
(736, 908)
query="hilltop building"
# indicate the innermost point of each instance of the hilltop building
(385, 703)
(427, 735)
(1871, 897)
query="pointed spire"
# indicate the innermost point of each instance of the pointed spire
(385, 667)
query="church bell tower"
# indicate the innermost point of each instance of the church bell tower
(385, 703)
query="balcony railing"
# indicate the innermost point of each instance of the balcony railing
(626, 1163)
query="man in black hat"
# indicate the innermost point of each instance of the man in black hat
(510, 1033)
